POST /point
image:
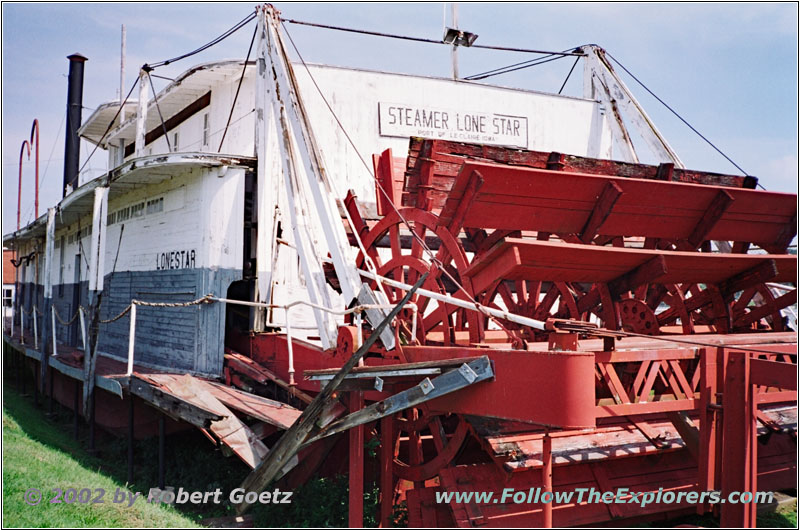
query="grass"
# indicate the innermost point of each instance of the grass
(37, 454)
(40, 452)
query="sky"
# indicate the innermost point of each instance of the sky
(730, 69)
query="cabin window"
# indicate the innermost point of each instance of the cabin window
(206, 130)
(175, 142)
(154, 206)
(7, 297)
(137, 210)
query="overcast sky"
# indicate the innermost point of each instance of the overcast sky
(729, 69)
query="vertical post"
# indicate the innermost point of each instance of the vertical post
(83, 327)
(121, 155)
(130, 439)
(547, 479)
(76, 404)
(454, 52)
(739, 445)
(708, 425)
(35, 330)
(92, 403)
(97, 256)
(53, 325)
(387, 481)
(48, 325)
(131, 339)
(162, 442)
(36, 385)
(22, 371)
(141, 113)
(356, 479)
(50, 409)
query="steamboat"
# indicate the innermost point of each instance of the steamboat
(288, 256)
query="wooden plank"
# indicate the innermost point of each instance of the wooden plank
(231, 431)
(455, 362)
(266, 410)
(523, 259)
(561, 202)
(719, 205)
(605, 202)
(173, 405)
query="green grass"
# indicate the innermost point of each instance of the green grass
(38, 454)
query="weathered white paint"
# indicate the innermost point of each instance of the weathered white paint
(141, 112)
(48, 253)
(98, 244)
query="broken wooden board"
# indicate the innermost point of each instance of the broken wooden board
(231, 431)
(270, 411)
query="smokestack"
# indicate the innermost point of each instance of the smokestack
(74, 108)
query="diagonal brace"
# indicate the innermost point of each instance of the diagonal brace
(468, 374)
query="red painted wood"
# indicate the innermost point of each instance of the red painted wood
(520, 259)
(562, 202)
(356, 467)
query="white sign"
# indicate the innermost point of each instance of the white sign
(396, 119)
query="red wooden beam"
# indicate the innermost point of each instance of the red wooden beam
(356, 467)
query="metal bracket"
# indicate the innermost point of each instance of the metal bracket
(378, 383)
(426, 386)
(468, 374)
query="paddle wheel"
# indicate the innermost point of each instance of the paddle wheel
(632, 249)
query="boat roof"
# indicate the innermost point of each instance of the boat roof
(195, 82)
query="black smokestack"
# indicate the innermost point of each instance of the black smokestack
(72, 146)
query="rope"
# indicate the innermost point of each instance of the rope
(434, 261)
(673, 111)
(514, 67)
(158, 107)
(238, 88)
(62, 321)
(564, 84)
(110, 125)
(421, 39)
(209, 44)
(118, 316)
(206, 299)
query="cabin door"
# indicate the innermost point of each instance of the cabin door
(75, 330)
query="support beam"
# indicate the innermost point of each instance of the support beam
(602, 208)
(387, 479)
(719, 205)
(456, 379)
(97, 254)
(48, 320)
(130, 439)
(547, 479)
(739, 453)
(356, 466)
(162, 443)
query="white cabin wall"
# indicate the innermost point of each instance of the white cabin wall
(554, 123)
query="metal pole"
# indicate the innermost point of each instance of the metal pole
(525, 321)
(454, 52)
(132, 339)
(162, 436)
(53, 320)
(83, 327)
